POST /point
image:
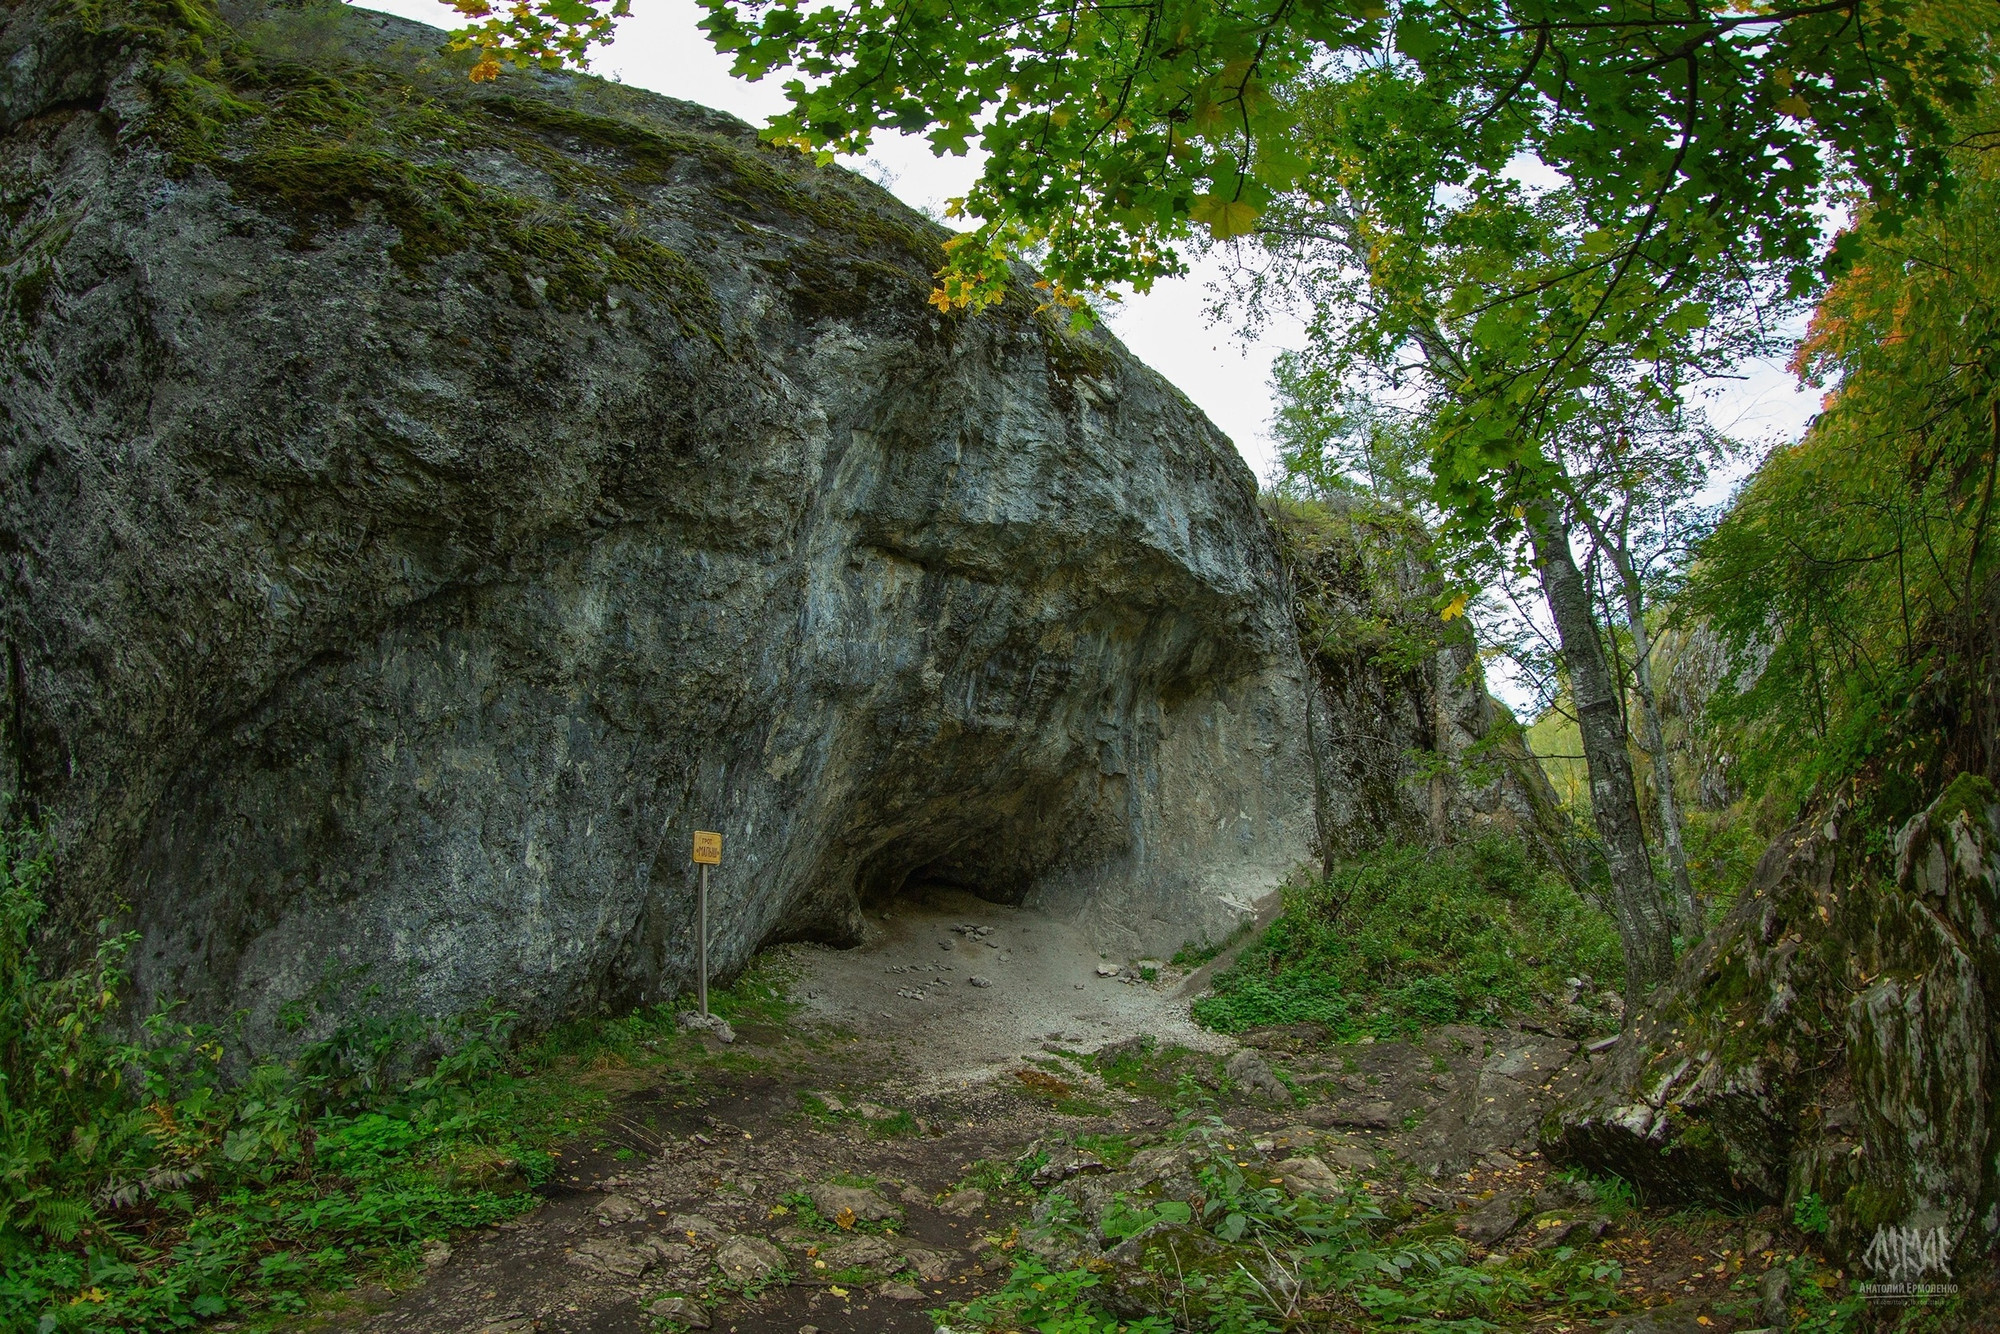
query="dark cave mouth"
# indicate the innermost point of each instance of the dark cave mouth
(908, 872)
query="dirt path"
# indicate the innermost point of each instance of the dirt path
(963, 990)
(900, 1071)
(850, 1169)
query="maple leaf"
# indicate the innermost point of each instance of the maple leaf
(1224, 217)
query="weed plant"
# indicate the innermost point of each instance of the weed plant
(1408, 936)
(142, 1187)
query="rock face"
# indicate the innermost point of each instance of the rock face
(1404, 739)
(1835, 1038)
(424, 504)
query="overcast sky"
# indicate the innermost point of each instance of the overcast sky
(659, 47)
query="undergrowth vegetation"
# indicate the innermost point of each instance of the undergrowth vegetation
(144, 1185)
(1410, 936)
(1243, 1257)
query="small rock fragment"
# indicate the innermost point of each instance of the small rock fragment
(1107, 970)
(511, 1323)
(861, 1206)
(965, 1203)
(688, 1312)
(1308, 1176)
(745, 1259)
(611, 1256)
(1490, 1221)
(863, 1252)
(1349, 1155)
(619, 1209)
(900, 1292)
(705, 1230)
(714, 1024)
(977, 981)
(1065, 1163)
(671, 1253)
(436, 1254)
(1249, 1071)
(1774, 1296)
(931, 1266)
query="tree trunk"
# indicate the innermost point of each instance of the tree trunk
(1644, 932)
(1688, 912)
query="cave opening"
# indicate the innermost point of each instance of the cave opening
(913, 872)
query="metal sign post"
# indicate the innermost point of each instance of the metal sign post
(707, 853)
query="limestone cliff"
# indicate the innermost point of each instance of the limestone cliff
(424, 504)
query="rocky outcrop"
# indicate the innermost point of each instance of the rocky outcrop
(1405, 741)
(424, 504)
(1835, 1039)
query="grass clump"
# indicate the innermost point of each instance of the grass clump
(1407, 937)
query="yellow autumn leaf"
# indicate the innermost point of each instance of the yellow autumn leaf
(837, 1290)
(1794, 106)
(1456, 609)
(1224, 217)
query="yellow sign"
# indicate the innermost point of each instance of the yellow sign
(707, 848)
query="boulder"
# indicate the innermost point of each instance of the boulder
(848, 1205)
(425, 503)
(1253, 1074)
(747, 1259)
(1834, 1038)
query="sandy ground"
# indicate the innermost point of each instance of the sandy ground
(916, 983)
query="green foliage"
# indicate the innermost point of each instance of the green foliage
(140, 1189)
(1243, 1258)
(1841, 577)
(1114, 133)
(1407, 937)
(1810, 1215)
(1053, 1302)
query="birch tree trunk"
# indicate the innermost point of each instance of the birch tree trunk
(1645, 933)
(1688, 914)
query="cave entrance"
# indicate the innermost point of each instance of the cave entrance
(906, 872)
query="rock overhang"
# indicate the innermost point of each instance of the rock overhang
(406, 589)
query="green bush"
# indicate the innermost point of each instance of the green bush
(1407, 937)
